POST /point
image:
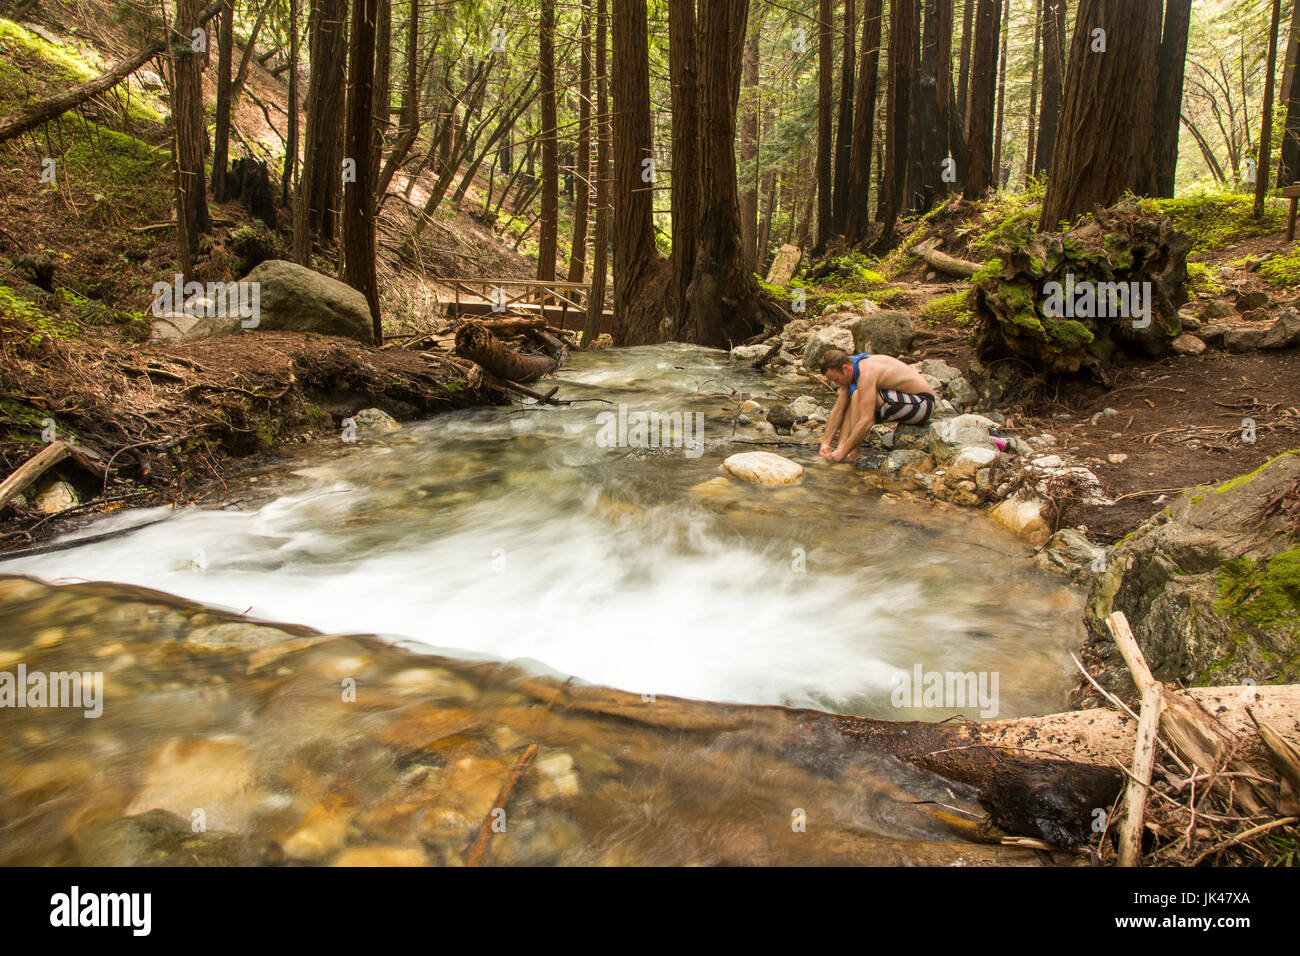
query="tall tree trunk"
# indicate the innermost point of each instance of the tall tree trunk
(638, 296)
(550, 223)
(683, 66)
(979, 176)
(323, 147)
(1033, 89)
(1265, 164)
(221, 137)
(725, 302)
(1104, 146)
(749, 143)
(963, 68)
(904, 37)
(582, 173)
(600, 238)
(930, 124)
(825, 185)
(1288, 169)
(382, 91)
(1053, 84)
(844, 129)
(859, 211)
(1002, 93)
(190, 134)
(289, 180)
(358, 200)
(1169, 95)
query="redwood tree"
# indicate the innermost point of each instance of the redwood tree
(724, 299)
(1053, 83)
(979, 175)
(904, 37)
(358, 199)
(1169, 95)
(825, 184)
(859, 208)
(638, 270)
(550, 222)
(1104, 143)
(684, 73)
(190, 138)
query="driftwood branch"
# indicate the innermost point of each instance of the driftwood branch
(476, 342)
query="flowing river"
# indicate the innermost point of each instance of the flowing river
(527, 536)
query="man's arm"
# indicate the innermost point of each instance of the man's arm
(863, 421)
(836, 416)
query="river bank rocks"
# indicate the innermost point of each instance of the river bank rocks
(1210, 585)
(300, 748)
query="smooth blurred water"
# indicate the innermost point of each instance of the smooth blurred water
(514, 533)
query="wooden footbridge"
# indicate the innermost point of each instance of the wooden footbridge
(562, 304)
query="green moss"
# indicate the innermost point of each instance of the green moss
(957, 308)
(988, 272)
(1007, 220)
(1200, 278)
(1234, 483)
(1068, 333)
(1265, 593)
(1024, 311)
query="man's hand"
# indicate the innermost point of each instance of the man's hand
(826, 449)
(840, 454)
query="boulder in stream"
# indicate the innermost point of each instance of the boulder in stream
(764, 468)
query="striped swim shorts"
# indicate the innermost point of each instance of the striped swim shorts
(904, 407)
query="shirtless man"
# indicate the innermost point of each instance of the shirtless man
(873, 388)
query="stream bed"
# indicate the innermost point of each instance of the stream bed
(556, 540)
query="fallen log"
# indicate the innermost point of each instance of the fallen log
(476, 342)
(942, 262)
(33, 468)
(18, 123)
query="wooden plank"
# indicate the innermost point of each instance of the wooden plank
(555, 284)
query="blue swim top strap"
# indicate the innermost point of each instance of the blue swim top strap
(853, 386)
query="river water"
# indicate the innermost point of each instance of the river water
(526, 535)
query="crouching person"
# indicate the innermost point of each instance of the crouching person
(873, 388)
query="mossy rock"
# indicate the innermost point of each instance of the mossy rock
(1212, 595)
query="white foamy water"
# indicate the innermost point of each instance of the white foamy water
(514, 534)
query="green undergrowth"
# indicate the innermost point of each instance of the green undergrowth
(1282, 270)
(1216, 220)
(1007, 219)
(957, 308)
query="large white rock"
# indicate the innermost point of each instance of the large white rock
(968, 462)
(764, 468)
(948, 436)
(1023, 515)
(804, 407)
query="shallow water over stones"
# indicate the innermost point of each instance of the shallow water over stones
(520, 535)
(525, 535)
(228, 743)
